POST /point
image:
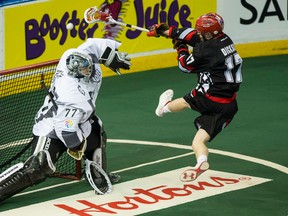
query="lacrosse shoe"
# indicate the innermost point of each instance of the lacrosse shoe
(114, 178)
(192, 174)
(164, 99)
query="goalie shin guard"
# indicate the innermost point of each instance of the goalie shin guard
(34, 171)
(99, 155)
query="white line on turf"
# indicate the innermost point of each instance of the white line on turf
(173, 145)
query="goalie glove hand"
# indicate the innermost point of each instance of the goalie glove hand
(115, 60)
(77, 153)
(158, 30)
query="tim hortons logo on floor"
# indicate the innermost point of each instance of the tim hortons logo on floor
(157, 192)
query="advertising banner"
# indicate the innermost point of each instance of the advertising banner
(255, 20)
(36, 32)
(257, 27)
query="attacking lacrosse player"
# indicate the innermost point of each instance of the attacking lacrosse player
(67, 120)
(218, 66)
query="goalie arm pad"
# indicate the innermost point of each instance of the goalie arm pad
(115, 60)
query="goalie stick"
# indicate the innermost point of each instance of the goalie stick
(99, 180)
(92, 15)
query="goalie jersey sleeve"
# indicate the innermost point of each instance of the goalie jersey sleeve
(75, 100)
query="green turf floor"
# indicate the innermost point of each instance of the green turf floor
(126, 105)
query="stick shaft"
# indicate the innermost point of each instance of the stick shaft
(48, 93)
(128, 25)
(93, 14)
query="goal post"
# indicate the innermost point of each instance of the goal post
(21, 95)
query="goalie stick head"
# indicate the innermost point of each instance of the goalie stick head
(97, 178)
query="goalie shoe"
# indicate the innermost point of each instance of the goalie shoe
(114, 178)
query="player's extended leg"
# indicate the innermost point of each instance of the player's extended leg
(201, 153)
(166, 104)
(35, 170)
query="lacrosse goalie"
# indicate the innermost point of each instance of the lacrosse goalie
(67, 120)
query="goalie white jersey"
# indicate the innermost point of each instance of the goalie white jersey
(75, 98)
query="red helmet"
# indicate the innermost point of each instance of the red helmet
(211, 23)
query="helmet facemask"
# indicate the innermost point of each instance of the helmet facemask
(80, 65)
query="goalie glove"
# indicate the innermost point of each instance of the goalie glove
(115, 60)
(77, 153)
(158, 30)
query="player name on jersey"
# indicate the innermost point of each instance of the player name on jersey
(228, 49)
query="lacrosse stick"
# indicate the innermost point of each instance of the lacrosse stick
(92, 15)
(96, 176)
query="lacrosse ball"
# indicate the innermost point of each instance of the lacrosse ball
(69, 26)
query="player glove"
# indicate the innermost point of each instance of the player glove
(176, 43)
(105, 17)
(115, 60)
(180, 46)
(157, 30)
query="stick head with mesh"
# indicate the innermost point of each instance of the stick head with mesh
(92, 15)
(97, 178)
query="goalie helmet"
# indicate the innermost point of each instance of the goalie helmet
(210, 25)
(80, 65)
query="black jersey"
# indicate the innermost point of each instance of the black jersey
(216, 62)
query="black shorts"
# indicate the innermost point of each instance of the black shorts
(214, 116)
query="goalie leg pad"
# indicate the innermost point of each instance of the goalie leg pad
(35, 170)
(101, 152)
(96, 143)
(99, 155)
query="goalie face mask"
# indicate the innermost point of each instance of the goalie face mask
(80, 65)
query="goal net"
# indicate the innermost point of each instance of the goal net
(21, 95)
